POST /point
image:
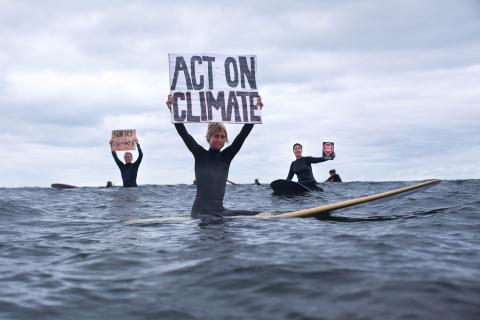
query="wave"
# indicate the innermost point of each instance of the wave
(13, 209)
(413, 215)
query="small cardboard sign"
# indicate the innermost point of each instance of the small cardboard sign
(328, 150)
(124, 139)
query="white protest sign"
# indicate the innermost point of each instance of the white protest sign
(214, 88)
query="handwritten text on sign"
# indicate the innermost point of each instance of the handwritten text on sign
(123, 139)
(214, 88)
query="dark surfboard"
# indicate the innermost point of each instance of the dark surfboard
(62, 186)
(288, 187)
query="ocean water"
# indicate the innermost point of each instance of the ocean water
(67, 254)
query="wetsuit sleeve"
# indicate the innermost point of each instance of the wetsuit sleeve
(315, 159)
(117, 161)
(191, 144)
(233, 149)
(290, 172)
(140, 155)
(329, 179)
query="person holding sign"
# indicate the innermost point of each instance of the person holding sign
(128, 169)
(212, 166)
(302, 167)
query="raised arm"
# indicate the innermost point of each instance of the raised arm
(114, 155)
(117, 161)
(318, 159)
(189, 141)
(140, 154)
(233, 149)
(315, 159)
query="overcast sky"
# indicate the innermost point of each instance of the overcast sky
(395, 84)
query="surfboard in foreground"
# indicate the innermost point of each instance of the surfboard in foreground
(353, 202)
(306, 213)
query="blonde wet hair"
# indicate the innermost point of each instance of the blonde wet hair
(214, 127)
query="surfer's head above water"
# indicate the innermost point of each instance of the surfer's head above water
(297, 150)
(216, 135)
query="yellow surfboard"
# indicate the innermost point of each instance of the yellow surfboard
(353, 202)
(306, 213)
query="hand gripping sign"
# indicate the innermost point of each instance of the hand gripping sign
(214, 88)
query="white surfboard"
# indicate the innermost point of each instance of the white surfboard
(305, 213)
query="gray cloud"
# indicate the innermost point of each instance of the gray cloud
(394, 84)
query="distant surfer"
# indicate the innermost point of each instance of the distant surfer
(256, 182)
(129, 169)
(109, 184)
(302, 167)
(212, 166)
(334, 176)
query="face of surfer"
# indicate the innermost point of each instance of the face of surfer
(297, 151)
(217, 140)
(127, 157)
(216, 135)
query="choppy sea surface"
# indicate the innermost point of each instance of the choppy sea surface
(67, 254)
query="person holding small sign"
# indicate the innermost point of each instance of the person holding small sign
(128, 169)
(212, 166)
(302, 167)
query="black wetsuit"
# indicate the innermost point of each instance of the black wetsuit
(129, 170)
(334, 178)
(303, 169)
(211, 173)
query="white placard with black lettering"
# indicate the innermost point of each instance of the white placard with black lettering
(214, 88)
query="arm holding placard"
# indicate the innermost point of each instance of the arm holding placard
(114, 154)
(140, 153)
(237, 143)
(189, 141)
(319, 159)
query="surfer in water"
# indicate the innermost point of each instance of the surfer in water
(302, 167)
(334, 176)
(212, 166)
(128, 169)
